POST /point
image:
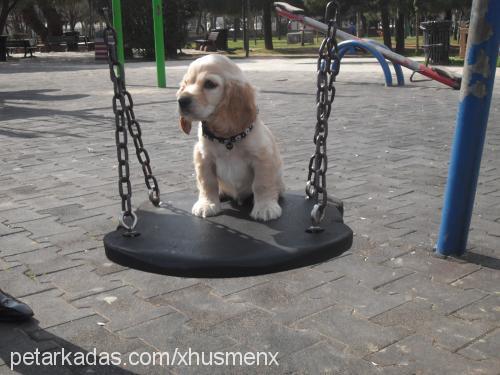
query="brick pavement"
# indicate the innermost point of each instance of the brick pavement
(386, 306)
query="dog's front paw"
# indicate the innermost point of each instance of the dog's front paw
(264, 211)
(205, 208)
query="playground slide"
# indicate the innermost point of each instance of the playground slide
(438, 74)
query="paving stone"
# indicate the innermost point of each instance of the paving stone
(87, 334)
(417, 355)
(51, 310)
(442, 270)
(445, 298)
(326, 359)
(72, 241)
(364, 301)
(298, 281)
(43, 227)
(97, 259)
(17, 243)
(487, 347)
(151, 285)
(16, 340)
(234, 364)
(6, 229)
(97, 225)
(364, 272)
(225, 287)
(256, 330)
(179, 335)
(200, 306)
(70, 282)
(360, 335)
(287, 307)
(122, 308)
(14, 217)
(484, 279)
(44, 261)
(486, 309)
(419, 317)
(17, 283)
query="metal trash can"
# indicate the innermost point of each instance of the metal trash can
(437, 41)
(72, 38)
(221, 42)
(3, 47)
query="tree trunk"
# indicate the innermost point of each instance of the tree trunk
(386, 26)
(31, 19)
(53, 18)
(7, 6)
(236, 27)
(417, 31)
(400, 32)
(4, 14)
(268, 26)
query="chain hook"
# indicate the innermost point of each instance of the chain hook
(331, 11)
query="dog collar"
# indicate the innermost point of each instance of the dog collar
(228, 142)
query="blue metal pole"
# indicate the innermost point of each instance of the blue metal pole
(472, 120)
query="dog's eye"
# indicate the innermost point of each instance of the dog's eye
(210, 84)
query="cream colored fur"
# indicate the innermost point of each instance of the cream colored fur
(254, 165)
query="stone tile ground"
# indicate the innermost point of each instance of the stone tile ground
(385, 307)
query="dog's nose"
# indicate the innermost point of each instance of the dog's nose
(184, 102)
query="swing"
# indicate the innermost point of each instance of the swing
(164, 237)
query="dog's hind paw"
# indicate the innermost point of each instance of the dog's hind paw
(204, 208)
(266, 211)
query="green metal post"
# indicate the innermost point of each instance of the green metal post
(117, 24)
(159, 43)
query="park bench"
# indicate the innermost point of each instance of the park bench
(55, 43)
(26, 44)
(209, 44)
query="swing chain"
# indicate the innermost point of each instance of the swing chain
(328, 68)
(123, 108)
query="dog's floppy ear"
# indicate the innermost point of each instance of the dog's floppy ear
(185, 125)
(239, 105)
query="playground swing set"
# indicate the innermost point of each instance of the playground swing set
(163, 237)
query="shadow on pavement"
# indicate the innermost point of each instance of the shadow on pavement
(19, 338)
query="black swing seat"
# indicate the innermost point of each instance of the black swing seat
(174, 242)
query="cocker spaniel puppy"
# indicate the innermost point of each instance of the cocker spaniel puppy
(236, 154)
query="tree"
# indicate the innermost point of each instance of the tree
(386, 25)
(400, 26)
(72, 11)
(267, 24)
(7, 7)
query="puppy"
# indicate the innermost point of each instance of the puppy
(236, 154)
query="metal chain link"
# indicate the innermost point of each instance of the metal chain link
(123, 108)
(328, 69)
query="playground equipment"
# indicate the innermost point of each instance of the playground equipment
(439, 74)
(346, 45)
(163, 237)
(472, 120)
(158, 33)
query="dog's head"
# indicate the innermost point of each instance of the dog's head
(215, 90)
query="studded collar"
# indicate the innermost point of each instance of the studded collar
(228, 142)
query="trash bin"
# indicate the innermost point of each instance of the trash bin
(437, 41)
(221, 42)
(3, 47)
(72, 38)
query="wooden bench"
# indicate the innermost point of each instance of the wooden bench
(209, 44)
(13, 44)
